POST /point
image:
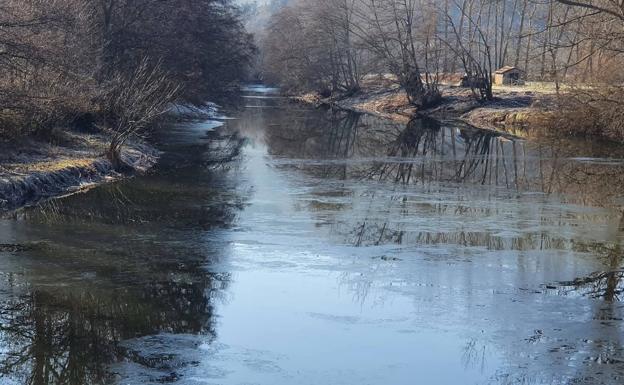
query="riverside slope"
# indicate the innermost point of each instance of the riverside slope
(31, 171)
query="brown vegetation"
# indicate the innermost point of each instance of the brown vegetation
(83, 79)
(113, 64)
(592, 112)
(576, 45)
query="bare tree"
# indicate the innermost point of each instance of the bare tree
(134, 102)
(310, 46)
(59, 57)
(473, 50)
(389, 28)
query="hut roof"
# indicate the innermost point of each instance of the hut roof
(506, 69)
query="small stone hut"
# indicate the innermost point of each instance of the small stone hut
(508, 75)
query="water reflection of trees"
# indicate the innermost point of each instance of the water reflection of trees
(63, 324)
(118, 262)
(191, 189)
(449, 171)
(607, 284)
(423, 150)
(428, 183)
(338, 145)
(349, 145)
(69, 336)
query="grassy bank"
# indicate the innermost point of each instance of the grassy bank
(32, 170)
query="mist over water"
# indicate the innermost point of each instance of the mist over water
(308, 246)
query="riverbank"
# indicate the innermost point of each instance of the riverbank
(32, 170)
(514, 109)
(69, 161)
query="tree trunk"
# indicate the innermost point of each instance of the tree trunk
(114, 156)
(419, 94)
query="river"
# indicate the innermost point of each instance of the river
(294, 245)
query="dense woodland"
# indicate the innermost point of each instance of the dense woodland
(114, 64)
(331, 45)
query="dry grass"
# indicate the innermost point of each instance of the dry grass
(58, 165)
(545, 88)
(392, 104)
(65, 151)
(310, 98)
(597, 112)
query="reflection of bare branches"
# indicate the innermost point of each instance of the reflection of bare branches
(349, 145)
(419, 138)
(223, 149)
(367, 234)
(419, 153)
(69, 337)
(340, 141)
(473, 355)
(359, 285)
(342, 134)
(606, 284)
(376, 229)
